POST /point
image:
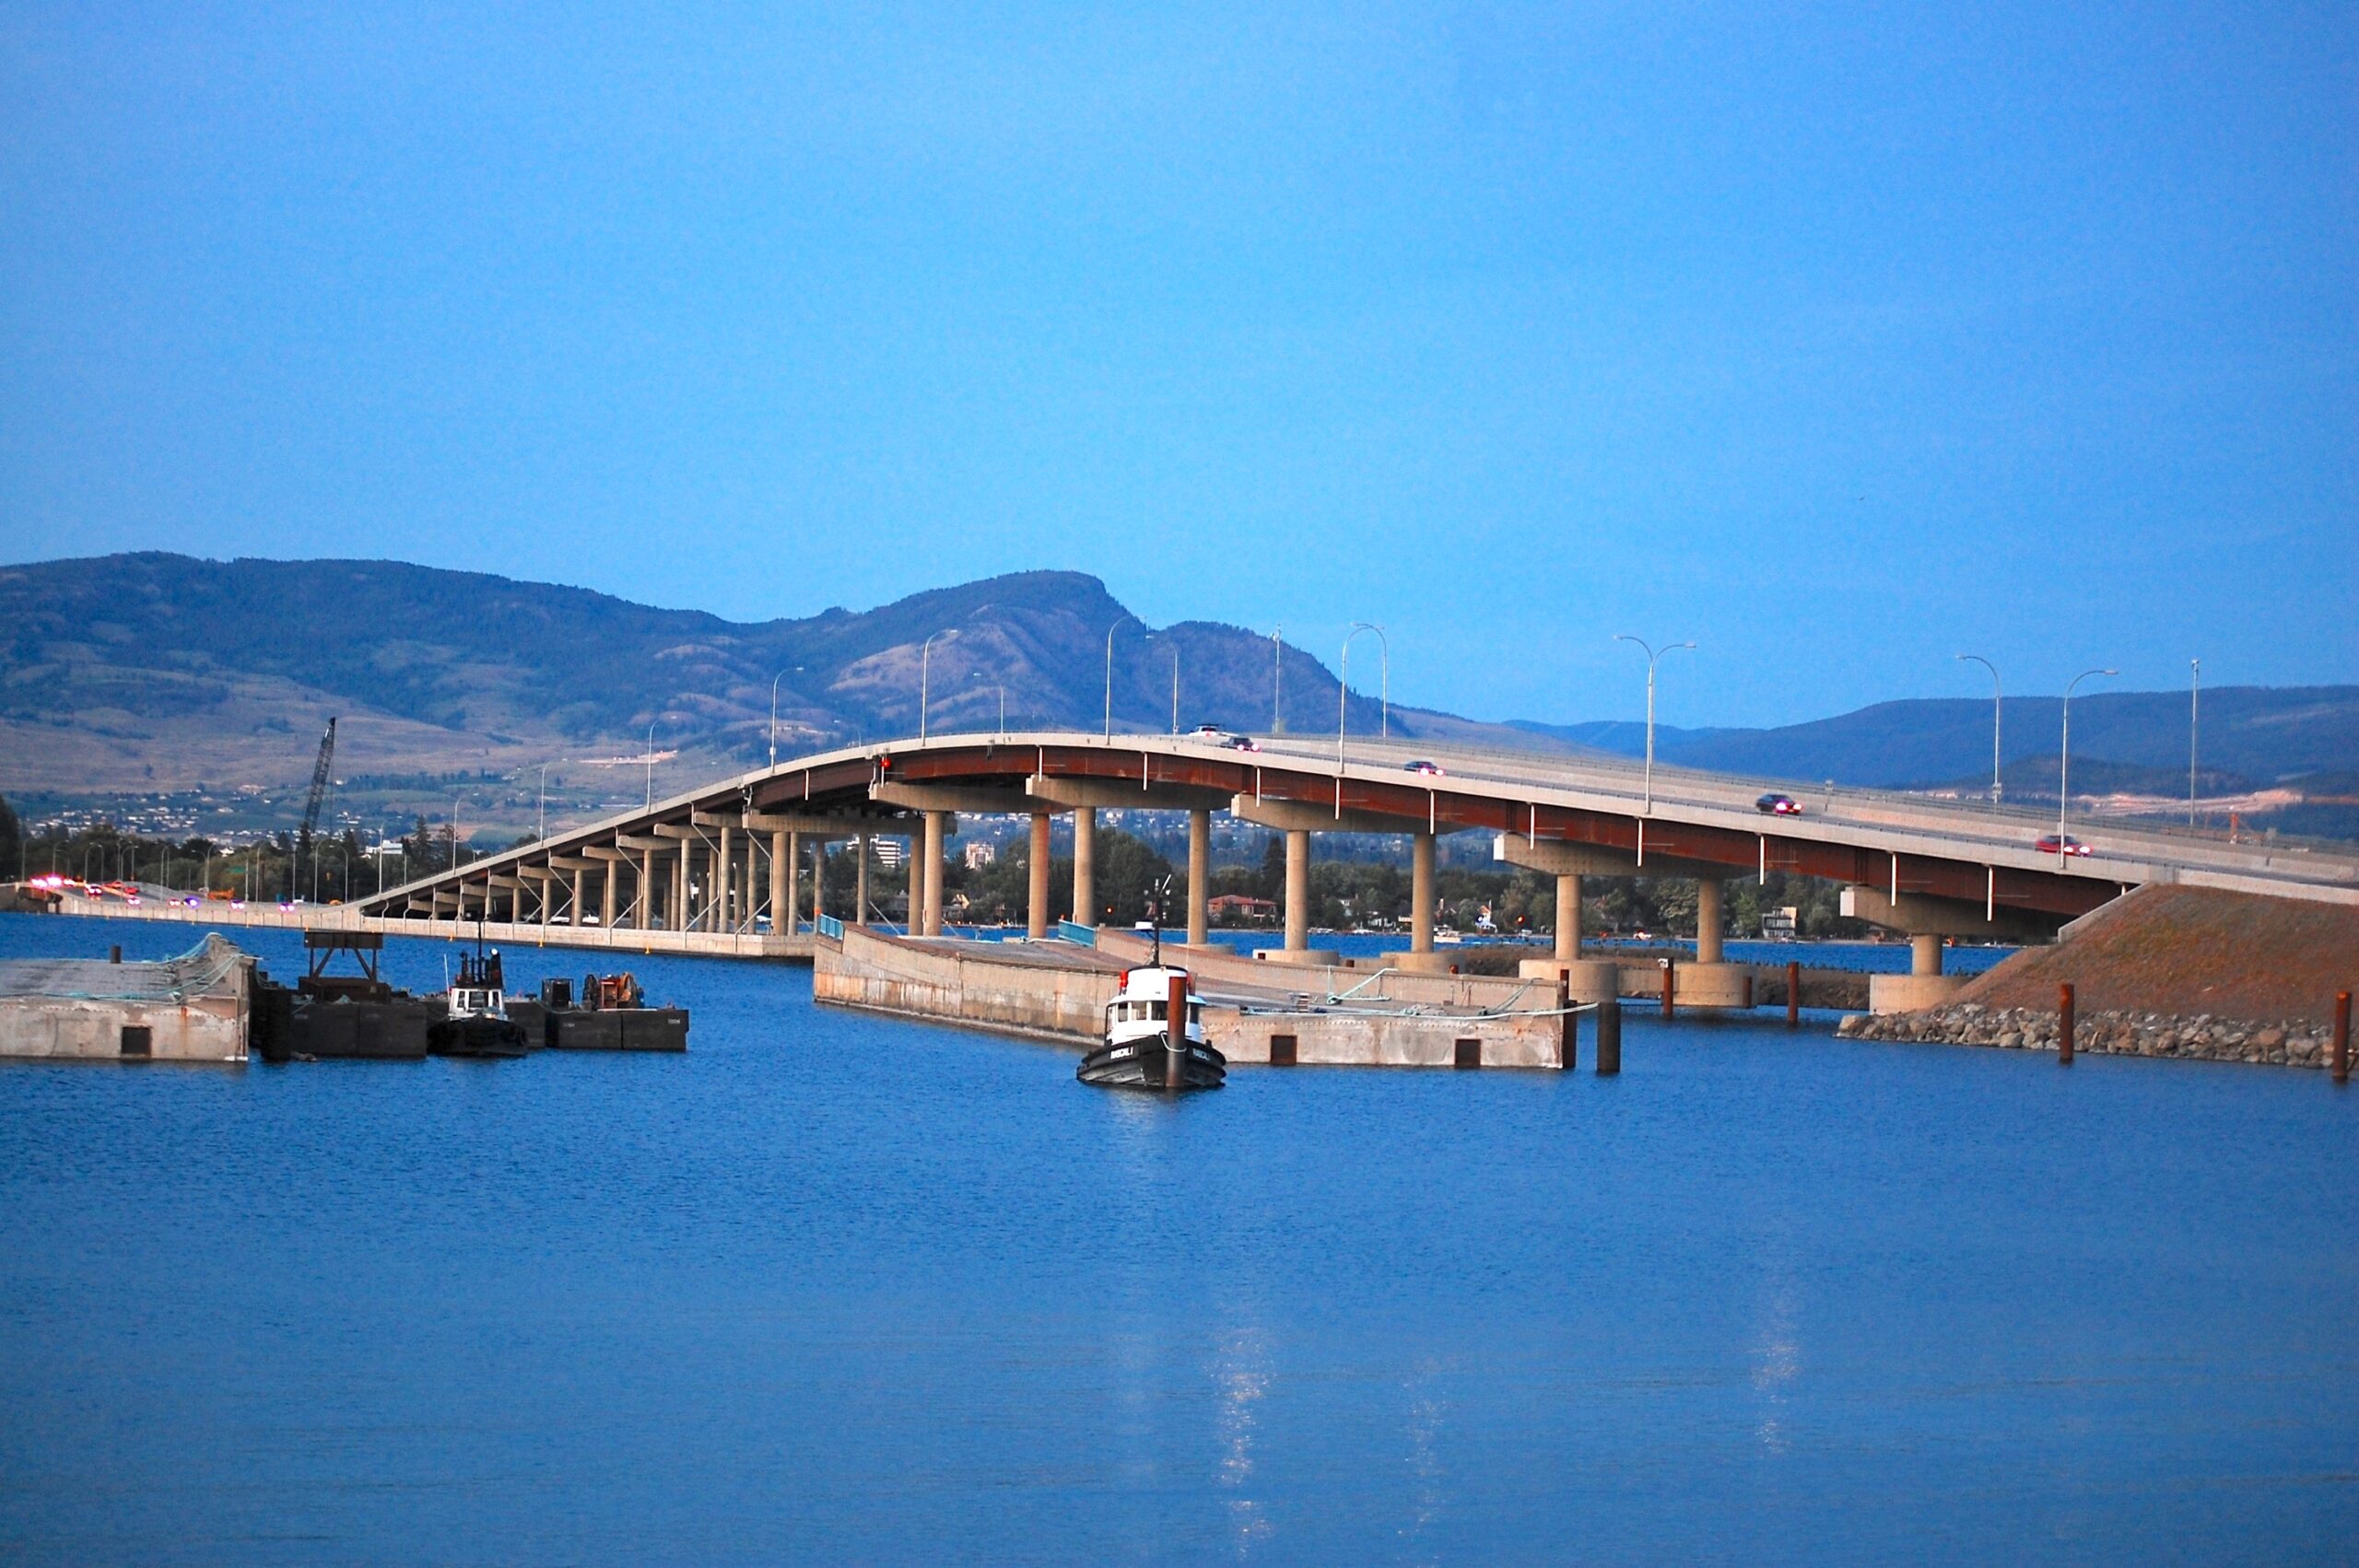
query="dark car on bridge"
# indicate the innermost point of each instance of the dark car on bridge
(1776, 804)
(2061, 844)
(1430, 769)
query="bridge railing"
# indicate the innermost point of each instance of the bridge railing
(831, 927)
(1075, 932)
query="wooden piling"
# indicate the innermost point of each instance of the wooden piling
(2341, 1061)
(1608, 1037)
(1568, 1049)
(1794, 992)
(1668, 967)
(1175, 1026)
(2064, 1024)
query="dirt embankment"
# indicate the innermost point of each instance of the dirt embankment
(2190, 952)
(2163, 972)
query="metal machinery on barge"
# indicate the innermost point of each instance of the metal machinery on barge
(609, 1014)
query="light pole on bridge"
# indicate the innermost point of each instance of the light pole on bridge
(1278, 680)
(1997, 784)
(925, 665)
(1343, 684)
(2064, 764)
(1175, 688)
(2194, 701)
(1126, 615)
(774, 680)
(1653, 655)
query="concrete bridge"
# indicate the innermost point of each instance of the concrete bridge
(735, 866)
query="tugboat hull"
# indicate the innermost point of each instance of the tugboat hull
(1146, 1064)
(476, 1037)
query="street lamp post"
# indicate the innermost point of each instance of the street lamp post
(651, 768)
(2064, 763)
(1175, 688)
(774, 680)
(925, 671)
(545, 804)
(1278, 680)
(1110, 670)
(1384, 680)
(1997, 784)
(1343, 685)
(2194, 699)
(1647, 786)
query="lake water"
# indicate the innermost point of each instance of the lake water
(833, 1287)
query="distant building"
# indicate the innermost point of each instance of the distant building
(1779, 925)
(980, 854)
(891, 853)
(1237, 907)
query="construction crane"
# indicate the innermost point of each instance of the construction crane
(304, 848)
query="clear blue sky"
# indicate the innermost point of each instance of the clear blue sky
(1836, 338)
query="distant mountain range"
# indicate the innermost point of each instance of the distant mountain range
(158, 672)
(154, 672)
(2249, 737)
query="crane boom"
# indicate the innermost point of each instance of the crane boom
(318, 791)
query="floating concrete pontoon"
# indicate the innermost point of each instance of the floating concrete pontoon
(192, 1007)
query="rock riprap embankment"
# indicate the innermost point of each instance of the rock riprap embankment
(2199, 1039)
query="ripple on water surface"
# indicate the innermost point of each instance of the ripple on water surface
(836, 1286)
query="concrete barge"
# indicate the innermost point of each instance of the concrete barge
(1057, 992)
(194, 1008)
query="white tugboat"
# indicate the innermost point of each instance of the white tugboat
(1154, 1032)
(475, 1020)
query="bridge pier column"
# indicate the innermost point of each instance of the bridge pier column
(1298, 891)
(580, 882)
(860, 880)
(1927, 920)
(1084, 865)
(933, 852)
(1200, 877)
(1710, 911)
(646, 899)
(1568, 919)
(1710, 981)
(606, 879)
(1036, 906)
(1421, 956)
(679, 912)
(781, 902)
(724, 864)
(790, 921)
(1925, 953)
(818, 880)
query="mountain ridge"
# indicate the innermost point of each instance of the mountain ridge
(130, 672)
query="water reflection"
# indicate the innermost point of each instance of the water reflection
(1428, 1412)
(1776, 1363)
(1240, 1378)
